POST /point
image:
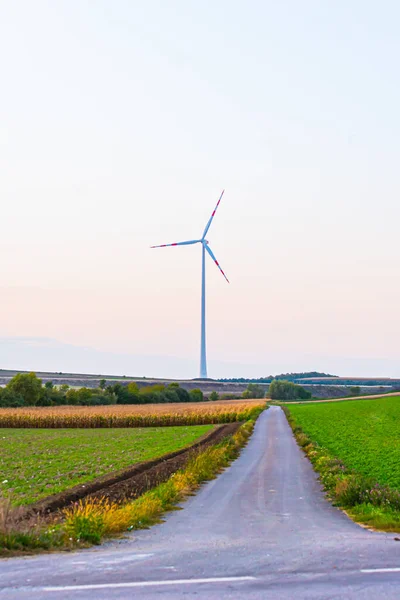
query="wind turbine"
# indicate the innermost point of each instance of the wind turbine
(204, 248)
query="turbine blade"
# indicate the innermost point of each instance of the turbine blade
(212, 216)
(178, 244)
(215, 260)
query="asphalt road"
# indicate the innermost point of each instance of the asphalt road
(261, 530)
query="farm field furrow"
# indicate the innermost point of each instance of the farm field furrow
(364, 434)
(35, 463)
(132, 415)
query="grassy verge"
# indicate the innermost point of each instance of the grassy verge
(35, 463)
(364, 500)
(364, 434)
(88, 522)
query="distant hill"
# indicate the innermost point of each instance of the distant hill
(286, 376)
(362, 381)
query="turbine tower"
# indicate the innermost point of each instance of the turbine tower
(204, 248)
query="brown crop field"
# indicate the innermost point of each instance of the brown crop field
(147, 415)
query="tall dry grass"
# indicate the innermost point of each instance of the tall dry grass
(19, 536)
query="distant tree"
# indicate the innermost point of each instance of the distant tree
(71, 397)
(302, 393)
(84, 395)
(49, 385)
(280, 389)
(196, 395)
(183, 395)
(123, 395)
(214, 395)
(170, 395)
(355, 390)
(158, 387)
(133, 388)
(99, 400)
(51, 396)
(230, 396)
(254, 391)
(113, 397)
(173, 385)
(151, 389)
(28, 386)
(102, 384)
(10, 398)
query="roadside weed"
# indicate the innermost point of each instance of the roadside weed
(90, 520)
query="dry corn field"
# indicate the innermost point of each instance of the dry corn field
(147, 415)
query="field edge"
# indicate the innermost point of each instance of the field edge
(101, 484)
(366, 503)
(88, 523)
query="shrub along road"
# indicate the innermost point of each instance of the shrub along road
(262, 529)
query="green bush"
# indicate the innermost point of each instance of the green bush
(355, 390)
(254, 390)
(196, 395)
(302, 393)
(170, 395)
(280, 389)
(10, 398)
(183, 395)
(28, 386)
(124, 394)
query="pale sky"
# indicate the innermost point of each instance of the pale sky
(121, 122)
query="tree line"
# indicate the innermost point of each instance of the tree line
(284, 376)
(287, 390)
(26, 389)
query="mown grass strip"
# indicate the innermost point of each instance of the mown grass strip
(363, 498)
(88, 522)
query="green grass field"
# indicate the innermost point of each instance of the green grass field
(364, 434)
(35, 463)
